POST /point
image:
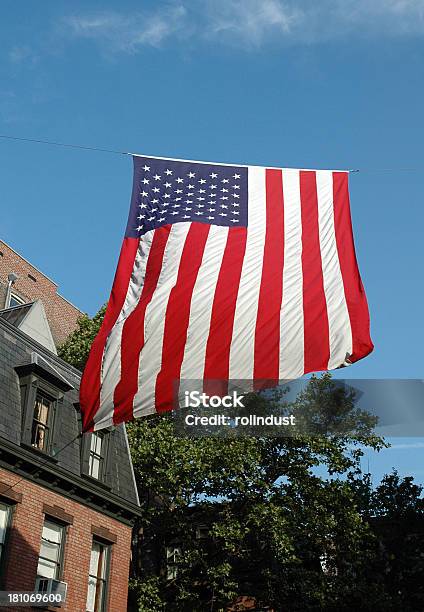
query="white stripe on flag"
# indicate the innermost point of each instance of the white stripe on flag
(338, 315)
(154, 325)
(193, 364)
(242, 350)
(291, 322)
(111, 366)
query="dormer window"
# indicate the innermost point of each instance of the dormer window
(41, 394)
(96, 449)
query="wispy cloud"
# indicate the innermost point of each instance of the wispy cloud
(380, 16)
(127, 32)
(406, 446)
(20, 54)
(248, 23)
(251, 21)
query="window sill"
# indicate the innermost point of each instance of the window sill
(39, 453)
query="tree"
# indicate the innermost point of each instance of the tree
(399, 526)
(76, 347)
(273, 520)
(286, 518)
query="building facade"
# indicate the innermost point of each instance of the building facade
(21, 282)
(67, 501)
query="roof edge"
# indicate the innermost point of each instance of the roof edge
(11, 329)
(28, 262)
(42, 273)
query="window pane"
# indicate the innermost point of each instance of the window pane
(95, 594)
(94, 466)
(172, 554)
(15, 300)
(47, 569)
(99, 595)
(4, 517)
(95, 558)
(98, 560)
(4, 522)
(52, 532)
(50, 551)
(41, 411)
(39, 436)
(102, 563)
(97, 579)
(96, 444)
(91, 594)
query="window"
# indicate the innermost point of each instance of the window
(98, 577)
(42, 392)
(96, 449)
(5, 516)
(15, 300)
(96, 456)
(172, 555)
(41, 422)
(51, 551)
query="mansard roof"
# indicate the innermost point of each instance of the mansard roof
(22, 356)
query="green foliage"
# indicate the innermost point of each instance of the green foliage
(292, 521)
(396, 497)
(272, 518)
(77, 346)
(148, 595)
(399, 524)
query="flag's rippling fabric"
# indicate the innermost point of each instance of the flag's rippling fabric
(226, 272)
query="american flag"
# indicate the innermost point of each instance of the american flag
(225, 273)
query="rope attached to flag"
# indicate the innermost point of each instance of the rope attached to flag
(88, 148)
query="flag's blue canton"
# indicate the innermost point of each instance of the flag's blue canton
(166, 191)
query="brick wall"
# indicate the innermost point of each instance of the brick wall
(61, 314)
(24, 546)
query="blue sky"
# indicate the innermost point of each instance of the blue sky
(334, 84)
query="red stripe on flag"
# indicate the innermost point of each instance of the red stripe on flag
(267, 335)
(132, 340)
(315, 317)
(217, 360)
(90, 382)
(178, 315)
(354, 291)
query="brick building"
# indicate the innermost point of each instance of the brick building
(65, 518)
(21, 282)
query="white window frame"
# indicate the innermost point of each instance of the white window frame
(17, 298)
(7, 519)
(172, 555)
(60, 545)
(101, 582)
(96, 456)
